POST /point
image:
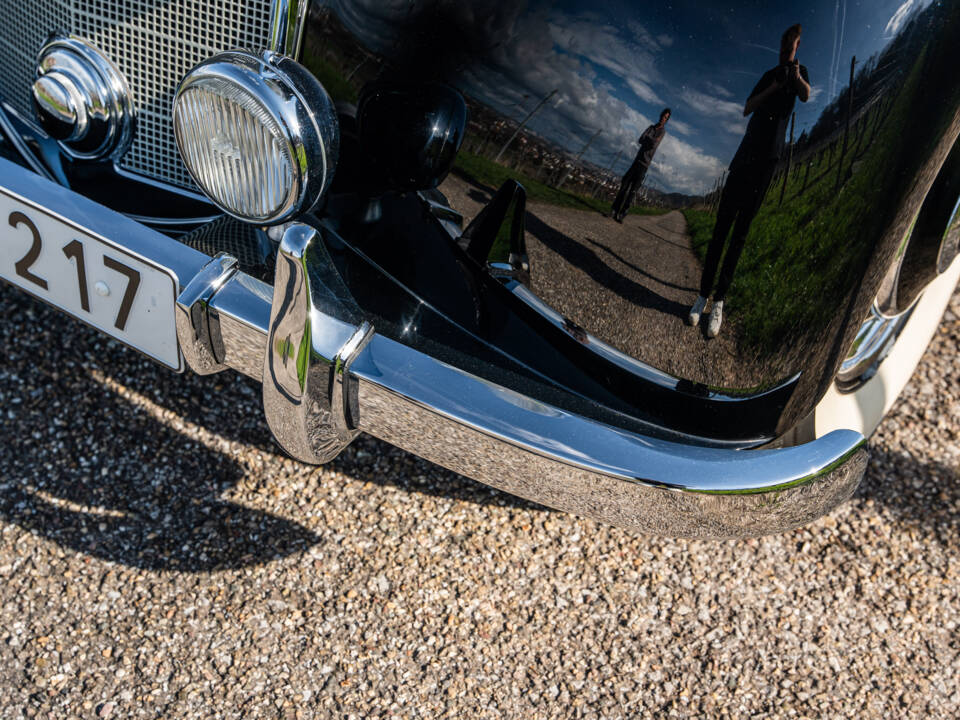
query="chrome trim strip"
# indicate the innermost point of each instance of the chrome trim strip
(871, 346)
(171, 223)
(951, 239)
(282, 37)
(606, 351)
(197, 328)
(480, 429)
(170, 187)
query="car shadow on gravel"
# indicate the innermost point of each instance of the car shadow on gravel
(230, 405)
(188, 533)
(95, 472)
(921, 496)
(118, 458)
(364, 459)
(146, 495)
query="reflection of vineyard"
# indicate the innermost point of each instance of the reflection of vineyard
(814, 262)
(803, 250)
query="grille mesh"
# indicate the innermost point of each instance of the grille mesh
(153, 42)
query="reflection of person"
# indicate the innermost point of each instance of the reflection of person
(751, 171)
(631, 182)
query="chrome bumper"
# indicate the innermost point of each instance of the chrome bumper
(325, 380)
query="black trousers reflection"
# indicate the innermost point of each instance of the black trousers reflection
(629, 185)
(741, 200)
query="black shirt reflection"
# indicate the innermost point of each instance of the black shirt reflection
(770, 105)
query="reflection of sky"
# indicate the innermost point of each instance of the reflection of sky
(615, 65)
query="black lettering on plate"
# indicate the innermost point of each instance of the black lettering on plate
(23, 264)
(133, 282)
(74, 249)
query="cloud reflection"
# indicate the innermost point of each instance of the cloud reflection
(612, 72)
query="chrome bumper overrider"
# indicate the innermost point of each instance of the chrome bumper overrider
(325, 380)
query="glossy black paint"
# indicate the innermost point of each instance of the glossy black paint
(932, 244)
(833, 225)
(126, 193)
(440, 279)
(410, 132)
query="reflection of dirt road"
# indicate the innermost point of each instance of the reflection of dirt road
(630, 285)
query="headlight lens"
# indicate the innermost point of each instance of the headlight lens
(258, 134)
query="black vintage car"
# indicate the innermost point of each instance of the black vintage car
(662, 264)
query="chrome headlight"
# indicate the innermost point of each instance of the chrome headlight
(258, 133)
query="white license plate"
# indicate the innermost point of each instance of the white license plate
(89, 277)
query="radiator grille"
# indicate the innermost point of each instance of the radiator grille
(153, 42)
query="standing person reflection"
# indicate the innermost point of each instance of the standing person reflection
(751, 171)
(633, 179)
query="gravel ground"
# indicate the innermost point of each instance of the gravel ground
(160, 558)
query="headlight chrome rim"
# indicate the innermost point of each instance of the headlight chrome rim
(279, 94)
